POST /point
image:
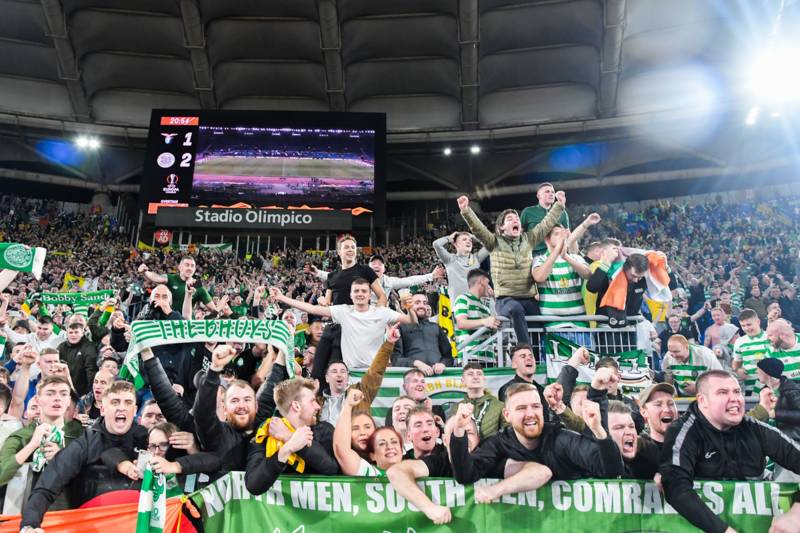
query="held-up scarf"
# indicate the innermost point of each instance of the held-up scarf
(273, 445)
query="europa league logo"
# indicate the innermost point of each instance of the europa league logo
(172, 184)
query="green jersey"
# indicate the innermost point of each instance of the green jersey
(560, 294)
(790, 358)
(178, 289)
(469, 306)
(750, 350)
(534, 214)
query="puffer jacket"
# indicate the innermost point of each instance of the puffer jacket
(511, 259)
(488, 413)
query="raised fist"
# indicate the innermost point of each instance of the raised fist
(464, 415)
(561, 197)
(354, 396)
(463, 203)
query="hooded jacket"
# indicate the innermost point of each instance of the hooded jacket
(694, 449)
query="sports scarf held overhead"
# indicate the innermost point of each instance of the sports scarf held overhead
(152, 333)
(273, 445)
(22, 258)
(79, 301)
(657, 278)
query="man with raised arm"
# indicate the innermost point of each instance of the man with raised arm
(177, 283)
(338, 292)
(510, 250)
(518, 477)
(362, 324)
(459, 264)
(531, 216)
(568, 454)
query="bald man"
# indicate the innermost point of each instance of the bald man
(785, 345)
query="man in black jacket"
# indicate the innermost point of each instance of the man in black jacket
(568, 454)
(634, 269)
(227, 439)
(423, 345)
(714, 440)
(80, 355)
(175, 358)
(306, 444)
(516, 476)
(569, 376)
(783, 403)
(81, 465)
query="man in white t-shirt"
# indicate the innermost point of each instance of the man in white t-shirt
(363, 325)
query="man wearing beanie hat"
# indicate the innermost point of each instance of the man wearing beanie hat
(781, 396)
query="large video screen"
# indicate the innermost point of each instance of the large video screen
(291, 160)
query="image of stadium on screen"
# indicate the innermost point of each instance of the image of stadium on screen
(284, 167)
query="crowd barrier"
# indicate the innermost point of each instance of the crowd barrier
(602, 340)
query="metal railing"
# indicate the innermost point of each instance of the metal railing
(602, 340)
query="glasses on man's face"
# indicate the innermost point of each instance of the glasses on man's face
(158, 446)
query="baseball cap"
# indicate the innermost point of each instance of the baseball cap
(22, 323)
(644, 396)
(379, 257)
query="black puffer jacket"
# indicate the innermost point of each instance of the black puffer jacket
(787, 410)
(694, 449)
(82, 467)
(568, 454)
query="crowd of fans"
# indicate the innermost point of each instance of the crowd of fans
(716, 287)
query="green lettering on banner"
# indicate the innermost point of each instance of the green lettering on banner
(196, 327)
(369, 504)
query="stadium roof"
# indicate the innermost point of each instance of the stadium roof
(552, 89)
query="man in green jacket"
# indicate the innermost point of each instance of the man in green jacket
(40, 441)
(510, 251)
(487, 410)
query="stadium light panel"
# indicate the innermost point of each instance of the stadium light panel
(474, 149)
(772, 79)
(84, 142)
(447, 150)
(752, 116)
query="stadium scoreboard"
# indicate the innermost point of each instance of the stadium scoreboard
(265, 169)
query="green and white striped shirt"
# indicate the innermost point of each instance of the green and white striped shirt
(560, 294)
(700, 359)
(469, 306)
(750, 350)
(790, 358)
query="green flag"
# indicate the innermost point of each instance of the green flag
(152, 503)
(633, 364)
(22, 258)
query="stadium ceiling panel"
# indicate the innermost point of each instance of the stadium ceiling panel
(524, 77)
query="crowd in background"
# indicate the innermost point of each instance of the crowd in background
(208, 408)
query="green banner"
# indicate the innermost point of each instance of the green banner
(634, 370)
(72, 298)
(331, 504)
(444, 389)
